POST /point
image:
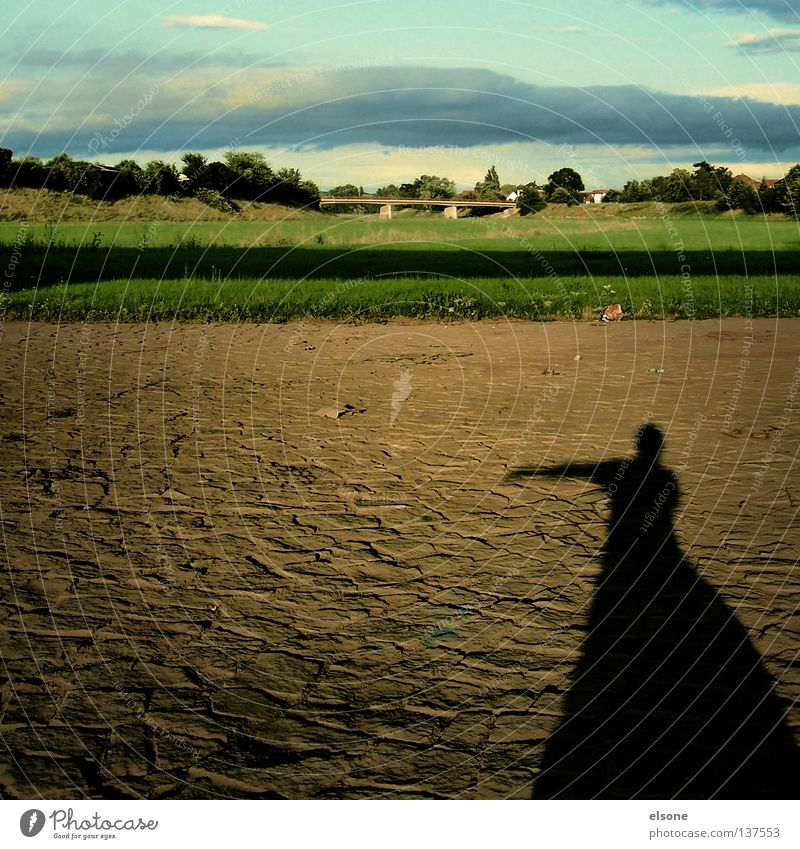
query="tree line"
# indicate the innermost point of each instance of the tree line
(242, 175)
(248, 176)
(565, 186)
(713, 183)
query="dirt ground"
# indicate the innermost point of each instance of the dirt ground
(264, 561)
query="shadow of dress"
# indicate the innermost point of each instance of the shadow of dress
(669, 698)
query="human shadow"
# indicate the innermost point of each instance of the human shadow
(669, 698)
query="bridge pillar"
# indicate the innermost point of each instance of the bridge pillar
(385, 211)
(451, 212)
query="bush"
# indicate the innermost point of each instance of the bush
(212, 198)
(530, 200)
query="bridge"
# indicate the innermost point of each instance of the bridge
(450, 205)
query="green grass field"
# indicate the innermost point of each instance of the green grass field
(379, 299)
(595, 233)
(657, 261)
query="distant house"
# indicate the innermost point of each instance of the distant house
(511, 197)
(595, 195)
(754, 184)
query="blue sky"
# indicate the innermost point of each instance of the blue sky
(378, 91)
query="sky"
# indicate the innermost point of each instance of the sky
(377, 91)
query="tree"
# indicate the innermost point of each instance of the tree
(72, 175)
(561, 195)
(740, 195)
(5, 166)
(29, 172)
(160, 178)
(346, 190)
(252, 175)
(390, 191)
(677, 187)
(786, 192)
(632, 192)
(489, 186)
(131, 179)
(709, 182)
(567, 179)
(64, 175)
(194, 167)
(530, 200)
(430, 186)
(656, 188)
(611, 196)
(767, 200)
(308, 192)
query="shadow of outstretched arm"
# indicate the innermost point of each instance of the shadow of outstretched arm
(590, 471)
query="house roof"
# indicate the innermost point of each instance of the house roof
(746, 178)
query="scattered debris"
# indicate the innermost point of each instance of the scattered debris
(612, 313)
(550, 371)
(655, 370)
(577, 357)
(338, 412)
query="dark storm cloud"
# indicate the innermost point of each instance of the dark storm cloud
(780, 10)
(426, 106)
(474, 107)
(101, 60)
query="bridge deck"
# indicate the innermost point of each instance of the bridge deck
(371, 199)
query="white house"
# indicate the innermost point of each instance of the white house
(595, 195)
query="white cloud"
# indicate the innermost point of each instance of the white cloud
(211, 22)
(787, 94)
(771, 41)
(576, 30)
